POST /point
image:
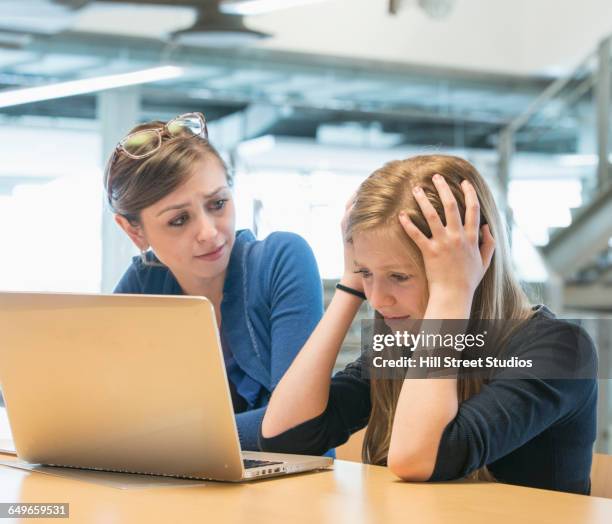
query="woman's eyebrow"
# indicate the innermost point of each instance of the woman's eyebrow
(186, 204)
(172, 207)
(212, 193)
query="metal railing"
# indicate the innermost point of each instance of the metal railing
(587, 87)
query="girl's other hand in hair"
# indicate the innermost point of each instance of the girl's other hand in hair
(349, 277)
(454, 262)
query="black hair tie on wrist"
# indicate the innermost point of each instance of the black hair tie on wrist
(351, 291)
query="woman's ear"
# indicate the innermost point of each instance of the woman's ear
(134, 231)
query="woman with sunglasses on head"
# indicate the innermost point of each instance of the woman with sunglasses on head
(171, 193)
(424, 240)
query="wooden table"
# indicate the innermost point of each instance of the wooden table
(350, 493)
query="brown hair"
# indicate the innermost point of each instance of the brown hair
(134, 184)
(499, 295)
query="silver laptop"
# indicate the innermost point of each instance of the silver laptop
(131, 383)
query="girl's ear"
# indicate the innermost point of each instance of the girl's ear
(134, 231)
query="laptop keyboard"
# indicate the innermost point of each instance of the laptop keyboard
(252, 463)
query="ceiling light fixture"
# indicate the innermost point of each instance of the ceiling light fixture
(15, 97)
(215, 29)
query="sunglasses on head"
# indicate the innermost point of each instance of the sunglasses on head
(144, 143)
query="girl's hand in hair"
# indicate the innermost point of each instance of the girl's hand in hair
(454, 262)
(349, 277)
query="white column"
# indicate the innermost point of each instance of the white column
(118, 111)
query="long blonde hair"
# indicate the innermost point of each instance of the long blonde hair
(499, 295)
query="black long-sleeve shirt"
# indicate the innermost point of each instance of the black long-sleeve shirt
(529, 431)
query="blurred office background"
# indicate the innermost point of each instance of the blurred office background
(305, 98)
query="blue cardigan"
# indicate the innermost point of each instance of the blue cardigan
(272, 301)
